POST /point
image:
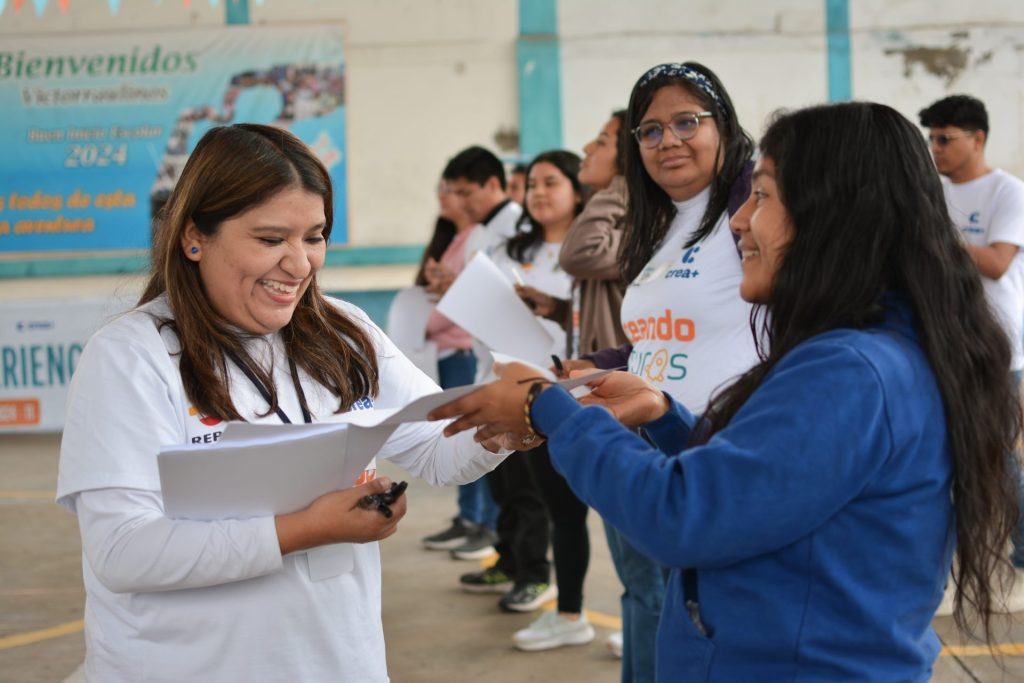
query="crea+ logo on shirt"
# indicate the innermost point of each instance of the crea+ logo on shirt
(687, 259)
(365, 403)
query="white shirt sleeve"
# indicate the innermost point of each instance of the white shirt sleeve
(132, 548)
(1007, 221)
(419, 447)
(444, 461)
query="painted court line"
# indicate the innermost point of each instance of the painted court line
(30, 637)
(596, 618)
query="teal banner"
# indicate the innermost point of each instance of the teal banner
(97, 128)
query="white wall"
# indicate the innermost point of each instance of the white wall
(768, 54)
(909, 54)
(429, 77)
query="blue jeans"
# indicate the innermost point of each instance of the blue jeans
(1018, 538)
(475, 501)
(644, 583)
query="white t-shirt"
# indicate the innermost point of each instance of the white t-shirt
(487, 237)
(177, 600)
(987, 210)
(683, 313)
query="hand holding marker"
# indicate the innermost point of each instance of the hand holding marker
(381, 501)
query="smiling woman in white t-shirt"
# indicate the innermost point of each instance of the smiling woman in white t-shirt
(687, 164)
(232, 326)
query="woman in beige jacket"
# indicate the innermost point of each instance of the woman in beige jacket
(591, 321)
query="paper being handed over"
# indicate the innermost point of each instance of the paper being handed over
(258, 470)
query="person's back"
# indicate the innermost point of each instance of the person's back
(987, 207)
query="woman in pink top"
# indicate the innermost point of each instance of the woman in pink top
(471, 534)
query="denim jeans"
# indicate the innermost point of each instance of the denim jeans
(1018, 538)
(644, 583)
(475, 501)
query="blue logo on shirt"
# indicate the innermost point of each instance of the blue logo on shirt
(685, 273)
(365, 403)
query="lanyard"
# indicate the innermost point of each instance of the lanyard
(306, 417)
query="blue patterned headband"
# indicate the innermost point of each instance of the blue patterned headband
(683, 71)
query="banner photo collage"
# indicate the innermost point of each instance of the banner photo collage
(98, 127)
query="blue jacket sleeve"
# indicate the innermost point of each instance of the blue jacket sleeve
(805, 443)
(671, 431)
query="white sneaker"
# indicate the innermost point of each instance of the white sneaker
(614, 644)
(553, 630)
(1013, 601)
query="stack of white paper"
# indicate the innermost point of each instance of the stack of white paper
(270, 469)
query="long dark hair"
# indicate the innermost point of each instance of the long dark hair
(869, 220)
(444, 234)
(621, 141)
(529, 235)
(233, 169)
(650, 210)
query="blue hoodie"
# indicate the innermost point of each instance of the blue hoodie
(817, 526)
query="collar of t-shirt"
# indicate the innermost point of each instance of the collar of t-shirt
(495, 211)
(694, 206)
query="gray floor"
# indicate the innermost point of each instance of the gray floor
(434, 631)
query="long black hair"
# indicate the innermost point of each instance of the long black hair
(622, 139)
(444, 234)
(650, 210)
(870, 219)
(529, 235)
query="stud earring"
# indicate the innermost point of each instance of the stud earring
(195, 250)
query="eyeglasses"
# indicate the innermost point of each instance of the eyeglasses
(942, 139)
(684, 126)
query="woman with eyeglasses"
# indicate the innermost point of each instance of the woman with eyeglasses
(810, 515)
(688, 164)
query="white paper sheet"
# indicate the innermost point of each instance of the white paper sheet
(269, 469)
(248, 478)
(407, 328)
(484, 303)
(576, 386)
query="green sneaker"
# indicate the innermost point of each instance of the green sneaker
(528, 597)
(490, 580)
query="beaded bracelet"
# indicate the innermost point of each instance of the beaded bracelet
(531, 396)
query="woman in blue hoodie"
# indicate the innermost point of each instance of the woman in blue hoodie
(811, 514)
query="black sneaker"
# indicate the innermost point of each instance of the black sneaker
(490, 580)
(452, 537)
(480, 544)
(527, 597)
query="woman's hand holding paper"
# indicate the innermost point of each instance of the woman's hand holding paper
(631, 399)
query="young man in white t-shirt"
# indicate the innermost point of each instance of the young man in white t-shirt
(987, 207)
(477, 177)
